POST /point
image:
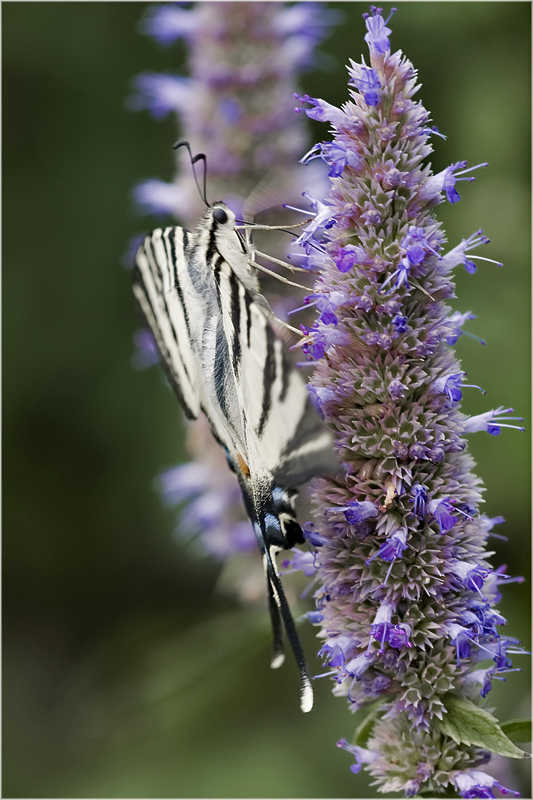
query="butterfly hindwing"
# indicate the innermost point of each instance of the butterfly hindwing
(285, 428)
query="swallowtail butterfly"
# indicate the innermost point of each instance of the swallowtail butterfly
(200, 297)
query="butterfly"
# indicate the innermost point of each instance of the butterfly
(199, 294)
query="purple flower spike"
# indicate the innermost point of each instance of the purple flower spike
(405, 581)
(232, 100)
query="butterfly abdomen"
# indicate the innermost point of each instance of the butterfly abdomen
(277, 516)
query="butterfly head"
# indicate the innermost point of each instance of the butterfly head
(221, 220)
(221, 214)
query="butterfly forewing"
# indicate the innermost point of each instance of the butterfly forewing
(161, 284)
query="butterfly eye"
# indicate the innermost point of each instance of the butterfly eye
(220, 215)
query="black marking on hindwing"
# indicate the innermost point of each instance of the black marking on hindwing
(286, 368)
(269, 375)
(236, 320)
(248, 303)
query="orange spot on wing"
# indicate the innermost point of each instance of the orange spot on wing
(245, 469)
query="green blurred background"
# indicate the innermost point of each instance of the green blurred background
(124, 674)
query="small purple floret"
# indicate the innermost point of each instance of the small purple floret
(441, 510)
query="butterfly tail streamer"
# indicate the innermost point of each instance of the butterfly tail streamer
(278, 654)
(278, 530)
(265, 511)
(306, 690)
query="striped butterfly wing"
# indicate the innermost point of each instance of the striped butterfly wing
(162, 285)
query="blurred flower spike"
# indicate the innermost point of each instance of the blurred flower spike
(406, 592)
(236, 103)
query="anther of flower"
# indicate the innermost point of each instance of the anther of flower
(236, 106)
(403, 585)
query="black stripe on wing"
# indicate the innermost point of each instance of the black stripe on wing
(174, 258)
(269, 376)
(164, 297)
(236, 320)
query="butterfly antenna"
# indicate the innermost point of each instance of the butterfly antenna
(194, 159)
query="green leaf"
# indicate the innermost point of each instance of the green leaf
(517, 730)
(364, 729)
(468, 724)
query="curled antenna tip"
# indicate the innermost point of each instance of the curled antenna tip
(194, 159)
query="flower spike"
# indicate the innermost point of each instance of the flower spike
(407, 595)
